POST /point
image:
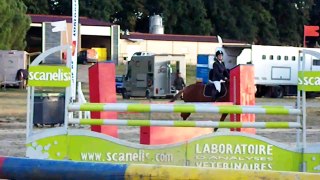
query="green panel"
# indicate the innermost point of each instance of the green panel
(312, 162)
(53, 147)
(49, 76)
(240, 152)
(237, 151)
(86, 148)
(309, 81)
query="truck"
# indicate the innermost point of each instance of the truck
(276, 67)
(11, 62)
(152, 76)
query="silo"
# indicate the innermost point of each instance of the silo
(155, 25)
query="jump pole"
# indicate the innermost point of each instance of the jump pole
(25, 168)
(179, 123)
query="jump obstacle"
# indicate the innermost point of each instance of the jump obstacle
(220, 150)
(24, 168)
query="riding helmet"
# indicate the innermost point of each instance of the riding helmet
(219, 52)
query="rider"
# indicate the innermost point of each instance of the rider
(218, 74)
(178, 83)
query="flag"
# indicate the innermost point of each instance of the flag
(219, 40)
(59, 26)
(311, 31)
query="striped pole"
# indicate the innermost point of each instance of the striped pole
(25, 168)
(185, 108)
(169, 123)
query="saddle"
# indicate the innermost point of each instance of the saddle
(207, 90)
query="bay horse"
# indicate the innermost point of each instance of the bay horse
(22, 77)
(195, 93)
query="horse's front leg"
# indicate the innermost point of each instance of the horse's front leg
(222, 118)
(185, 115)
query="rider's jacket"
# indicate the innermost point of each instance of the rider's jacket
(218, 71)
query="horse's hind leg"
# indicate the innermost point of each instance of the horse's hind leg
(222, 118)
(185, 115)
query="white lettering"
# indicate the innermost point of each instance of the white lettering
(139, 156)
(242, 166)
(233, 149)
(91, 156)
(50, 76)
(229, 149)
(313, 81)
(164, 157)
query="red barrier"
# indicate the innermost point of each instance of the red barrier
(243, 93)
(102, 89)
(168, 135)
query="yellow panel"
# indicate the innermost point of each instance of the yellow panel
(178, 172)
(102, 53)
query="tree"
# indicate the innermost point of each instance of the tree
(288, 22)
(181, 16)
(314, 21)
(37, 7)
(99, 9)
(131, 11)
(221, 17)
(14, 24)
(191, 18)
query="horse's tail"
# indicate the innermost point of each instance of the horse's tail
(22, 74)
(175, 97)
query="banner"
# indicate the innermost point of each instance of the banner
(310, 31)
(59, 26)
(309, 81)
(49, 76)
(75, 27)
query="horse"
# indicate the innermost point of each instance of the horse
(196, 93)
(22, 77)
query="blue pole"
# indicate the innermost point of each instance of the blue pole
(24, 168)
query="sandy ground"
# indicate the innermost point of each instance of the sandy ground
(12, 133)
(12, 130)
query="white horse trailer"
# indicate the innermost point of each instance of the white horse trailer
(276, 67)
(152, 76)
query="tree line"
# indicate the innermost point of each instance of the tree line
(266, 22)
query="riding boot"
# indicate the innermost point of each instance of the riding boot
(213, 95)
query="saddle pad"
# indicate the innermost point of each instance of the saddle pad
(207, 91)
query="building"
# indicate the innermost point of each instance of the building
(189, 45)
(92, 33)
(120, 47)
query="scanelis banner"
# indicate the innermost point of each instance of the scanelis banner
(49, 76)
(309, 81)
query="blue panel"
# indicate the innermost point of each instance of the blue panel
(203, 72)
(202, 58)
(23, 168)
